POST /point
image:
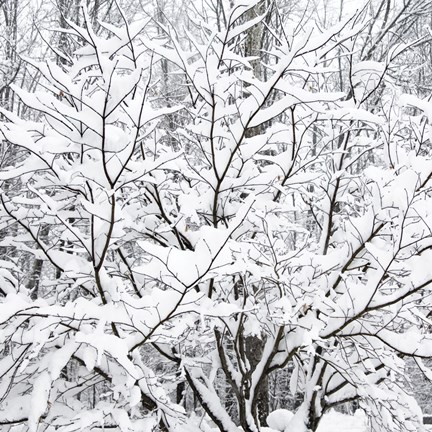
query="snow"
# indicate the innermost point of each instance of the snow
(39, 400)
(337, 422)
(281, 420)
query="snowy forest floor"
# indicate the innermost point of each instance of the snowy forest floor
(338, 422)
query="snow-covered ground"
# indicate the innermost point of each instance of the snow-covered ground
(331, 422)
(337, 422)
(280, 421)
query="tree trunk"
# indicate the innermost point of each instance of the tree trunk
(254, 345)
(33, 282)
(261, 402)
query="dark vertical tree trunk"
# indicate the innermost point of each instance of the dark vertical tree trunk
(180, 393)
(35, 272)
(10, 13)
(254, 345)
(34, 279)
(254, 351)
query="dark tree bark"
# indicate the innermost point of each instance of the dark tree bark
(254, 345)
